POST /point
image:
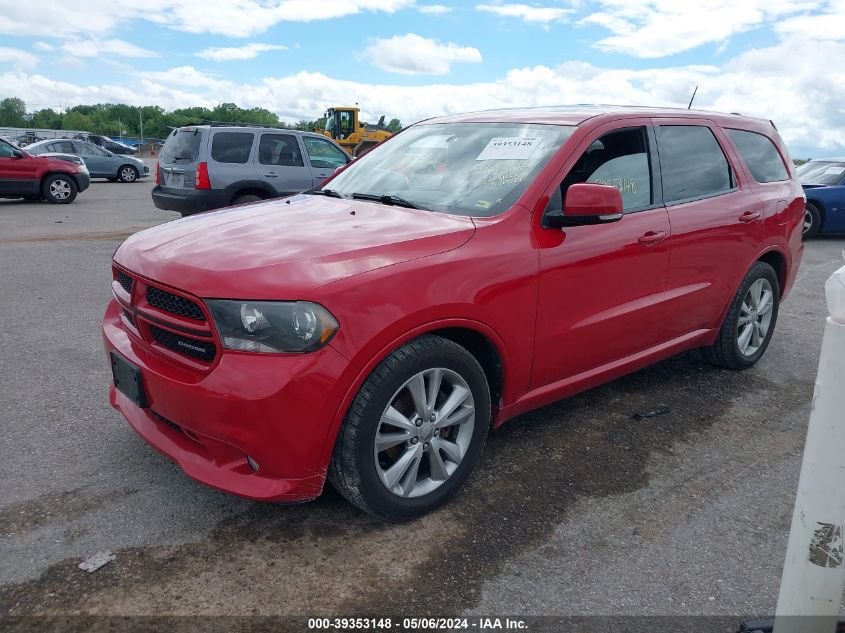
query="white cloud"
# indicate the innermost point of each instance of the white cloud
(533, 15)
(96, 48)
(43, 46)
(411, 54)
(434, 9)
(233, 18)
(249, 51)
(657, 28)
(17, 59)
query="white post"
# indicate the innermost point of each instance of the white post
(814, 570)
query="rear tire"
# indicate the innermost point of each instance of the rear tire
(59, 189)
(750, 321)
(246, 197)
(812, 220)
(127, 174)
(440, 434)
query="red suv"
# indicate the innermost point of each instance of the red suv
(471, 268)
(23, 175)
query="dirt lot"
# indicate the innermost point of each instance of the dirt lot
(578, 508)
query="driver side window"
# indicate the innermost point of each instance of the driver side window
(619, 159)
(6, 150)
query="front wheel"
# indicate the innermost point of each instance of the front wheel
(414, 432)
(127, 173)
(750, 321)
(59, 189)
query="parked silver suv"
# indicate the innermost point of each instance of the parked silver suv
(206, 167)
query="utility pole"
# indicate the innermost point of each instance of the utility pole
(141, 120)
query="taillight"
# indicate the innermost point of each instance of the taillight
(202, 181)
(158, 175)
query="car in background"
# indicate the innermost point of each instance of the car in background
(115, 147)
(206, 167)
(823, 181)
(101, 162)
(24, 175)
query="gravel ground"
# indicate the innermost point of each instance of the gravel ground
(577, 508)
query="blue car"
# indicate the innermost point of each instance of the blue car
(824, 185)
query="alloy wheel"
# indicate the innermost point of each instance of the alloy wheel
(755, 317)
(424, 432)
(60, 189)
(808, 221)
(127, 174)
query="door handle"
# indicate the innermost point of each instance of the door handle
(749, 216)
(652, 237)
(271, 174)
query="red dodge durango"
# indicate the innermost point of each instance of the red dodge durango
(373, 329)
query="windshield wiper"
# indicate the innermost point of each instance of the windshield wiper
(387, 199)
(325, 192)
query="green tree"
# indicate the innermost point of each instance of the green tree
(12, 112)
(75, 120)
(46, 118)
(395, 125)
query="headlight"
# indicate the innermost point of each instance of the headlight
(272, 326)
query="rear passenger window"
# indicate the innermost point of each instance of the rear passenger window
(760, 155)
(692, 163)
(232, 147)
(279, 149)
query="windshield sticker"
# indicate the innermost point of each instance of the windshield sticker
(834, 171)
(484, 204)
(509, 148)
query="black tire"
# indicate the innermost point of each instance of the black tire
(127, 173)
(726, 352)
(813, 216)
(244, 198)
(59, 189)
(352, 469)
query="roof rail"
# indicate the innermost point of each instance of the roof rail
(234, 124)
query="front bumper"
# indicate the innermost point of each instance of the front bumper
(276, 409)
(83, 181)
(190, 201)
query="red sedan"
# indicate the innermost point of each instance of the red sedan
(473, 267)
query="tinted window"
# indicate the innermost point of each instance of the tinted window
(324, 155)
(279, 149)
(760, 156)
(6, 150)
(66, 147)
(691, 162)
(93, 149)
(231, 147)
(822, 173)
(182, 146)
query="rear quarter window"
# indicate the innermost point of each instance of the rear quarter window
(231, 147)
(182, 146)
(760, 155)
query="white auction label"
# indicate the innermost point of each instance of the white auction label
(509, 148)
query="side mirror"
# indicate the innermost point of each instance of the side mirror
(587, 203)
(18, 153)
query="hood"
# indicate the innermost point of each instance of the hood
(281, 249)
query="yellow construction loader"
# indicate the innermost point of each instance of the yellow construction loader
(344, 126)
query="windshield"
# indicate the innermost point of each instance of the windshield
(821, 172)
(181, 146)
(476, 169)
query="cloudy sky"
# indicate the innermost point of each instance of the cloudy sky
(410, 59)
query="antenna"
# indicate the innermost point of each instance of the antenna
(692, 97)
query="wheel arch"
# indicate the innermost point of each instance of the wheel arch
(476, 337)
(777, 260)
(55, 172)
